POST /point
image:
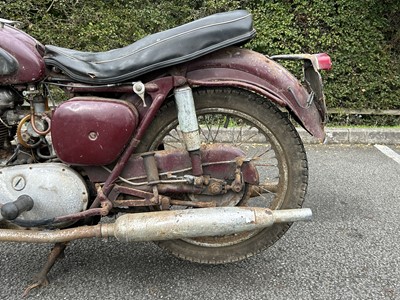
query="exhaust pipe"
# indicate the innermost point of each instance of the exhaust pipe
(167, 225)
(190, 223)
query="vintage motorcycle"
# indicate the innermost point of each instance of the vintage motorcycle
(180, 136)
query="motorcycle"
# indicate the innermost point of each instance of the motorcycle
(183, 137)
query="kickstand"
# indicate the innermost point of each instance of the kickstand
(41, 279)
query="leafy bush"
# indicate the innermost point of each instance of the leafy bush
(362, 37)
(366, 68)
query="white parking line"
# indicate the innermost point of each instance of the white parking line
(388, 152)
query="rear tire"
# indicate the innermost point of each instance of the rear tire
(285, 160)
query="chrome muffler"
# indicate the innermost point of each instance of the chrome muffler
(190, 223)
(168, 225)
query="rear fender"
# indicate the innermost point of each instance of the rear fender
(253, 71)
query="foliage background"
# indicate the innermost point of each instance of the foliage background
(362, 36)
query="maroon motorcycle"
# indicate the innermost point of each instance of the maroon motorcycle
(181, 136)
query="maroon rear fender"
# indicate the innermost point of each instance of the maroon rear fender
(253, 71)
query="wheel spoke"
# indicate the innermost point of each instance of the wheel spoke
(267, 188)
(268, 149)
(265, 165)
(226, 123)
(216, 134)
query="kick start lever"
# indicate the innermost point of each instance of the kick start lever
(12, 210)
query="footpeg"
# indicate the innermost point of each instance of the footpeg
(12, 210)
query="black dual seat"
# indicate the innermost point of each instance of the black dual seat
(163, 49)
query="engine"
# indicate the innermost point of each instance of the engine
(15, 129)
(3, 135)
(39, 145)
(9, 99)
(54, 188)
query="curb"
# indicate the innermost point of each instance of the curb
(389, 136)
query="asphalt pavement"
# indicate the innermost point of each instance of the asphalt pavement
(351, 249)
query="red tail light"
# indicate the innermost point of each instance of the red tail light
(324, 61)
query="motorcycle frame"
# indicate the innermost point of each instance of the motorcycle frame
(233, 67)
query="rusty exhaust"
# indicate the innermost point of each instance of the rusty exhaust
(167, 225)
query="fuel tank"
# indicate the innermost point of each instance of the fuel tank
(20, 57)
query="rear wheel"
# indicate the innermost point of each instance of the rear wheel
(247, 121)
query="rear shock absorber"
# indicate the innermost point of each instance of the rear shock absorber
(189, 126)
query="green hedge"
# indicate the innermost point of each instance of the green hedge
(362, 37)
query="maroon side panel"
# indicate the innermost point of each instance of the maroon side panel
(92, 130)
(24, 49)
